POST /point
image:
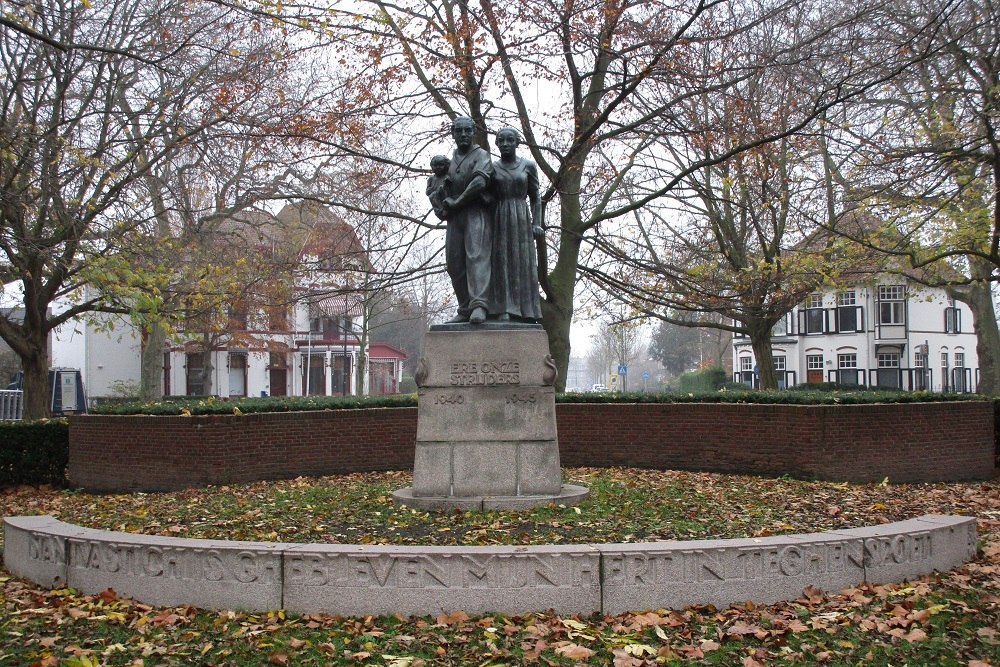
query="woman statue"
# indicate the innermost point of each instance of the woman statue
(514, 280)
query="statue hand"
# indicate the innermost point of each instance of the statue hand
(537, 231)
(448, 203)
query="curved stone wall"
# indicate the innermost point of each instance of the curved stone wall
(357, 580)
(905, 442)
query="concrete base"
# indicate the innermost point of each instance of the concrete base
(363, 580)
(569, 494)
(486, 421)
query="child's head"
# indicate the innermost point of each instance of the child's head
(439, 165)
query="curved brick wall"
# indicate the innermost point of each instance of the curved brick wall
(916, 442)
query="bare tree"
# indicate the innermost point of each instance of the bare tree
(593, 89)
(618, 342)
(737, 246)
(111, 125)
(923, 154)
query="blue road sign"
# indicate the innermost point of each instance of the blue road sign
(622, 369)
(645, 376)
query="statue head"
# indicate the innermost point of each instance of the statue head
(463, 131)
(439, 165)
(507, 140)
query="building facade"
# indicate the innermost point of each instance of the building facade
(313, 342)
(890, 334)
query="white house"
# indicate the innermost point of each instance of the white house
(887, 334)
(312, 345)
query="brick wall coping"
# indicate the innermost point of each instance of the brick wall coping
(358, 580)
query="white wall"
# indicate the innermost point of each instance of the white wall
(103, 356)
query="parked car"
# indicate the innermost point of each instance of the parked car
(598, 387)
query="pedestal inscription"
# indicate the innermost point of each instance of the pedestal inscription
(486, 422)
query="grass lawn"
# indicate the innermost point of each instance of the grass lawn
(947, 619)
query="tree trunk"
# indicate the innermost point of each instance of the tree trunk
(151, 369)
(557, 307)
(207, 367)
(980, 300)
(760, 340)
(37, 393)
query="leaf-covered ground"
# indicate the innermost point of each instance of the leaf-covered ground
(947, 619)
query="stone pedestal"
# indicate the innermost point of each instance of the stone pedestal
(486, 421)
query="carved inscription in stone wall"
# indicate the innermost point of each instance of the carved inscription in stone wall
(445, 571)
(185, 563)
(748, 563)
(46, 548)
(484, 373)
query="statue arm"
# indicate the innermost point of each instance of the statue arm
(534, 201)
(479, 183)
(471, 193)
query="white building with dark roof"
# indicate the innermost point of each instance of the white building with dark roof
(889, 333)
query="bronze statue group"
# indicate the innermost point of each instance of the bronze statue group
(492, 211)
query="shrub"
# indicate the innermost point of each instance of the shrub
(705, 379)
(830, 386)
(34, 452)
(407, 385)
(212, 405)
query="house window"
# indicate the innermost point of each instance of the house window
(952, 319)
(847, 368)
(814, 320)
(958, 381)
(888, 370)
(313, 374)
(779, 370)
(813, 317)
(848, 319)
(888, 359)
(781, 328)
(920, 375)
(238, 315)
(746, 371)
(194, 366)
(237, 374)
(277, 317)
(891, 304)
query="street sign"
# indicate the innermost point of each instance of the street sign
(645, 376)
(622, 369)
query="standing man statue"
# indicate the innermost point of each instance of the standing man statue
(468, 211)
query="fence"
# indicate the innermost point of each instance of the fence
(11, 403)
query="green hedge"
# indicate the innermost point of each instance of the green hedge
(221, 406)
(805, 397)
(814, 396)
(34, 452)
